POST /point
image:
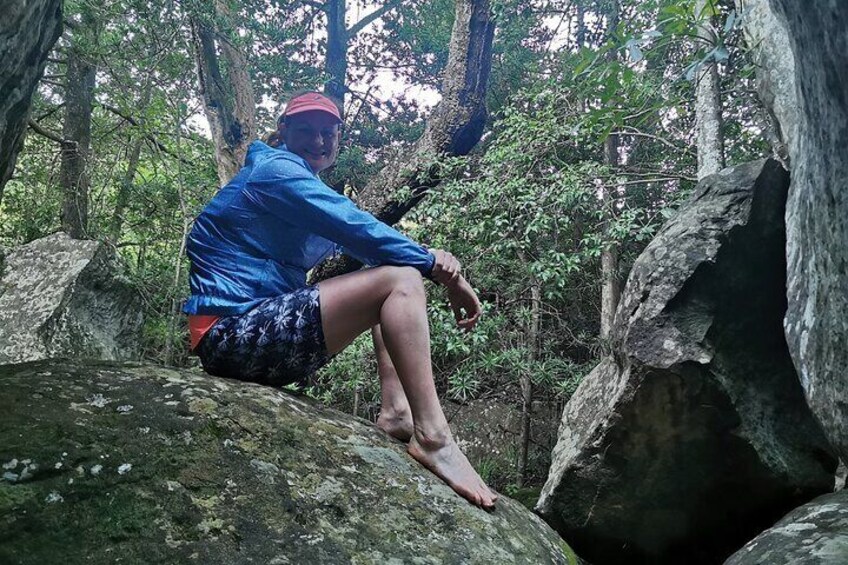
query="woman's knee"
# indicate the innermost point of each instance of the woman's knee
(406, 281)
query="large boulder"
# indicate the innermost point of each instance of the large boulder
(817, 210)
(28, 30)
(693, 435)
(768, 41)
(63, 297)
(106, 462)
(814, 534)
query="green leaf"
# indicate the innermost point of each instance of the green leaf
(633, 51)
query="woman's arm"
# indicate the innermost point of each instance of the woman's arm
(464, 303)
(286, 189)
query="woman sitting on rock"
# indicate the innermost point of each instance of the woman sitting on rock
(253, 317)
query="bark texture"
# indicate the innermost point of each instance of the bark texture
(227, 92)
(710, 142)
(28, 30)
(610, 285)
(335, 63)
(454, 128)
(76, 143)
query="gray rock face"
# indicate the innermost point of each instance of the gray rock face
(162, 466)
(814, 534)
(771, 51)
(817, 211)
(61, 297)
(489, 431)
(693, 436)
(28, 31)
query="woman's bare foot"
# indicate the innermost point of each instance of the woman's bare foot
(396, 424)
(443, 457)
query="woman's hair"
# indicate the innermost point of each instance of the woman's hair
(274, 139)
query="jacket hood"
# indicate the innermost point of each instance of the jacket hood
(256, 151)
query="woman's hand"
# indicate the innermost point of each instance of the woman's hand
(464, 303)
(446, 268)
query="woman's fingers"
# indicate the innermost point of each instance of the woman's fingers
(465, 304)
(471, 315)
(446, 267)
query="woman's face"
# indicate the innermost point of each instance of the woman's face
(313, 135)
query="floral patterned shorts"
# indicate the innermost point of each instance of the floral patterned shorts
(278, 342)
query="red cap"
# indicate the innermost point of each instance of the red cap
(312, 101)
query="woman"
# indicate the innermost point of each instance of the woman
(253, 317)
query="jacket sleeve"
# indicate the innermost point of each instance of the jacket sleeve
(289, 191)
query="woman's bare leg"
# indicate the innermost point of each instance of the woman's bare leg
(394, 297)
(395, 416)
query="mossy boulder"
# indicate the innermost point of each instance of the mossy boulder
(106, 462)
(813, 534)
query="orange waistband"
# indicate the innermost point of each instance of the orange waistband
(198, 326)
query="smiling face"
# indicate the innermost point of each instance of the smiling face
(313, 135)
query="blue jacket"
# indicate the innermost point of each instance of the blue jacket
(272, 223)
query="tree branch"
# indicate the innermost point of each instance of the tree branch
(636, 133)
(53, 83)
(378, 13)
(147, 136)
(46, 132)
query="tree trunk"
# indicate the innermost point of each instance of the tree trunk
(338, 41)
(526, 382)
(710, 142)
(122, 199)
(28, 31)
(454, 127)
(76, 132)
(228, 97)
(357, 393)
(335, 64)
(610, 285)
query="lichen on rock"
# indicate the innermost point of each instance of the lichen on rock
(218, 471)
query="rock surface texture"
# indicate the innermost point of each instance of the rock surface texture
(693, 436)
(28, 30)
(814, 534)
(817, 211)
(151, 465)
(61, 297)
(771, 51)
